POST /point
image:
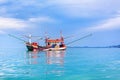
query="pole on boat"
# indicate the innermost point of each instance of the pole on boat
(17, 38)
(39, 39)
(69, 37)
(30, 38)
(79, 39)
(61, 35)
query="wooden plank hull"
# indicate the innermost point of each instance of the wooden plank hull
(56, 49)
(31, 48)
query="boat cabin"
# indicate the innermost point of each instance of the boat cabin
(55, 43)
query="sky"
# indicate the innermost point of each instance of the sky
(72, 17)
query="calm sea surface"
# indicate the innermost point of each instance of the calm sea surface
(72, 64)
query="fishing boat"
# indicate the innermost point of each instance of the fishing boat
(50, 44)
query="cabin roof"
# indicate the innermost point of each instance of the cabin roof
(54, 40)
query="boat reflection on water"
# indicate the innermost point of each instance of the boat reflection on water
(51, 61)
(32, 57)
(55, 61)
(55, 57)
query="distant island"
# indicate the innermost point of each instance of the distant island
(114, 46)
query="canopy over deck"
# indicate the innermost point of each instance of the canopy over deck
(54, 40)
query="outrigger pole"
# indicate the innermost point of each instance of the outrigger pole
(69, 37)
(79, 39)
(17, 38)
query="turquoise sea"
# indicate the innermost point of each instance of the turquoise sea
(72, 64)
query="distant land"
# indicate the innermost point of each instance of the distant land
(114, 46)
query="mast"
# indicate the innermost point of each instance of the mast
(30, 38)
(46, 38)
(61, 35)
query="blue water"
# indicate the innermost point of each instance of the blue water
(72, 64)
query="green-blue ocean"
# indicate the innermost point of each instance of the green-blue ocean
(71, 64)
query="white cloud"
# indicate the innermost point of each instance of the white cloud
(20, 24)
(70, 8)
(2, 1)
(13, 8)
(41, 19)
(109, 24)
(12, 23)
(86, 8)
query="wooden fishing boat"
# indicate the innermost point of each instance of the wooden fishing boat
(50, 44)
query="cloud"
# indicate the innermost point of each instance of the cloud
(68, 8)
(2, 1)
(9, 23)
(41, 19)
(108, 24)
(11, 8)
(85, 8)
